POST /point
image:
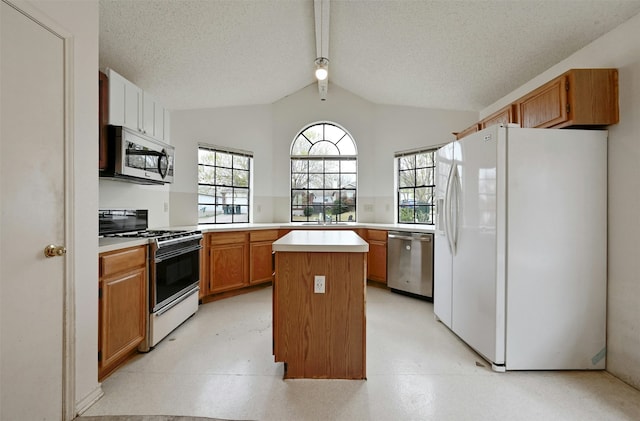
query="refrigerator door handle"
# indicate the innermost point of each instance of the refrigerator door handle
(439, 215)
(448, 227)
(457, 189)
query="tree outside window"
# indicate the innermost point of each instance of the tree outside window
(323, 174)
(224, 178)
(416, 183)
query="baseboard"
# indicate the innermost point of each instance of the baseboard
(85, 403)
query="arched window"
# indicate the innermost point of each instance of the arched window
(324, 174)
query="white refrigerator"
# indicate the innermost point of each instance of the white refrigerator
(521, 246)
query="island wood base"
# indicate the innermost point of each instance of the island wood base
(320, 336)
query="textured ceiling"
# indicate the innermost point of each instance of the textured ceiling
(461, 55)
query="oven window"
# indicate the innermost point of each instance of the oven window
(175, 275)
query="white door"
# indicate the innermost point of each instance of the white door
(474, 313)
(32, 198)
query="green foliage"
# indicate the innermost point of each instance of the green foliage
(308, 211)
(340, 206)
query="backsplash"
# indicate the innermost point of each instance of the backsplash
(122, 195)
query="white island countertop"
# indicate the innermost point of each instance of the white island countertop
(321, 241)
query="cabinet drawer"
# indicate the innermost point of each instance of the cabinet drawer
(377, 235)
(118, 261)
(264, 235)
(227, 238)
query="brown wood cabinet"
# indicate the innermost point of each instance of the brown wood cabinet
(469, 130)
(377, 257)
(231, 261)
(103, 120)
(122, 315)
(228, 261)
(508, 114)
(579, 97)
(235, 260)
(320, 335)
(261, 256)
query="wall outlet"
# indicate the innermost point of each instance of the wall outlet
(318, 284)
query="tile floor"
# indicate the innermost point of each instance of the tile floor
(219, 364)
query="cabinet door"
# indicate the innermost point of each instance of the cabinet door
(166, 125)
(132, 106)
(125, 102)
(204, 268)
(546, 106)
(261, 262)
(228, 265)
(117, 89)
(466, 132)
(377, 256)
(148, 114)
(158, 121)
(506, 115)
(123, 316)
(377, 261)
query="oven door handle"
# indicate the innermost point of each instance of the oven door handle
(177, 301)
(175, 253)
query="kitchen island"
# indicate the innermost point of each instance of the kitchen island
(319, 323)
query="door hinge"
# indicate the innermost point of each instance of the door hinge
(568, 108)
(99, 355)
(566, 86)
(99, 293)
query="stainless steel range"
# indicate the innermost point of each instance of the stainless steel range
(174, 269)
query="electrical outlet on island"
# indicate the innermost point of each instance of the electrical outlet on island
(318, 284)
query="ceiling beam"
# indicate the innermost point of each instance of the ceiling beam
(321, 14)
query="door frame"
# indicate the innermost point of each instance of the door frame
(68, 285)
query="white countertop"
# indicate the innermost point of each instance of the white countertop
(106, 244)
(109, 243)
(342, 241)
(311, 226)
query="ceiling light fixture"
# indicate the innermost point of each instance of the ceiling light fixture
(322, 68)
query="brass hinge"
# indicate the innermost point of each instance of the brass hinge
(568, 108)
(566, 86)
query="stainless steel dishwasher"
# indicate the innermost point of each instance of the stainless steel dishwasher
(410, 263)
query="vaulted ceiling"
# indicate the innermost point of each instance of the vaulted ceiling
(460, 55)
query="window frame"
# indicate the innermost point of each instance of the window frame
(236, 204)
(344, 173)
(416, 207)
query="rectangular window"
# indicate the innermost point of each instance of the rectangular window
(224, 180)
(416, 186)
(323, 189)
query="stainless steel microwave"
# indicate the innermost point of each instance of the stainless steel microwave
(137, 158)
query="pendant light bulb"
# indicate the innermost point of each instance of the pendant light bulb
(322, 70)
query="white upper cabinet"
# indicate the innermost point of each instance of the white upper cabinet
(167, 125)
(148, 114)
(159, 123)
(131, 107)
(125, 102)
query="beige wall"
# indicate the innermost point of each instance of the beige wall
(619, 48)
(268, 130)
